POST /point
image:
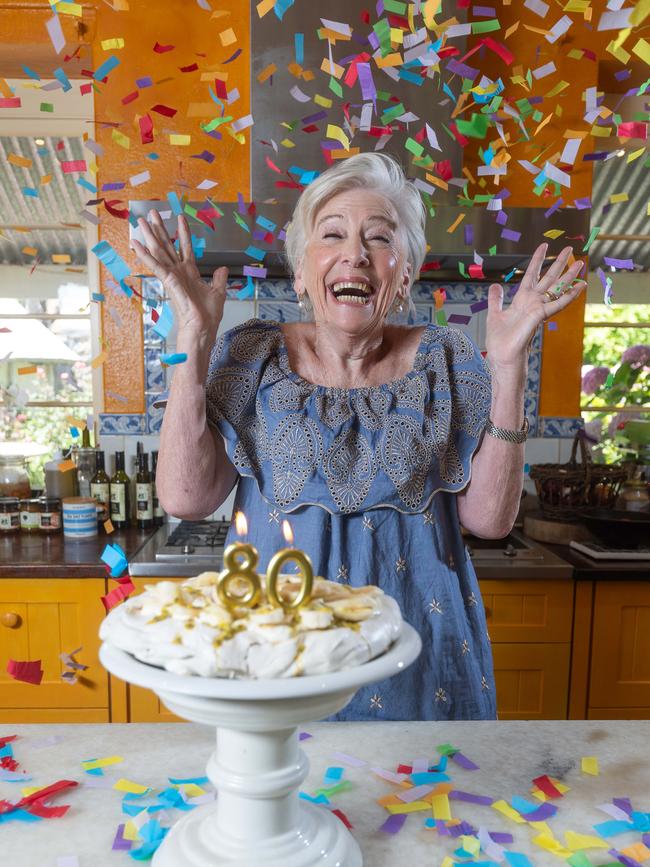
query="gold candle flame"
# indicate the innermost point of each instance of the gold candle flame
(303, 596)
(241, 524)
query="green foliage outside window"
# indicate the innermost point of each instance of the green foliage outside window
(614, 375)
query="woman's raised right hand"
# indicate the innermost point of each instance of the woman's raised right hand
(197, 305)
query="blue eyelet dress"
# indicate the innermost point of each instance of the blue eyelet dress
(367, 478)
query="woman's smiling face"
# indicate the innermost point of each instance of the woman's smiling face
(354, 262)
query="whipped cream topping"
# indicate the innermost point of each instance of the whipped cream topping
(184, 628)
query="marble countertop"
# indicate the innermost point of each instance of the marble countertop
(509, 755)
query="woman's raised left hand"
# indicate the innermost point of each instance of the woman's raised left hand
(509, 331)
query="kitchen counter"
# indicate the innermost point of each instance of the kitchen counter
(32, 555)
(547, 565)
(509, 754)
(587, 569)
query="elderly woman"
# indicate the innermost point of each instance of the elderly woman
(377, 439)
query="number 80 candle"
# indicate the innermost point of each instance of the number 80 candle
(288, 555)
(240, 560)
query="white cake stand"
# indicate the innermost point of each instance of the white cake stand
(258, 767)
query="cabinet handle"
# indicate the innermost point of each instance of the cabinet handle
(10, 619)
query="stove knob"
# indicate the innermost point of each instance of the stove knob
(187, 549)
(510, 550)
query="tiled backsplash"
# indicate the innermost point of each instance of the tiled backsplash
(550, 439)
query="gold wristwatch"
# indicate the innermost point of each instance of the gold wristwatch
(512, 436)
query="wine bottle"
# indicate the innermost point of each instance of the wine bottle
(100, 490)
(158, 512)
(120, 497)
(143, 494)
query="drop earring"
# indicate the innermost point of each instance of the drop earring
(400, 311)
(306, 308)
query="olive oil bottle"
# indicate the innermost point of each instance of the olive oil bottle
(120, 498)
(158, 512)
(100, 490)
(143, 494)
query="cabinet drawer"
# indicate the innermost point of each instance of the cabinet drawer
(528, 611)
(41, 619)
(532, 680)
(620, 659)
(618, 713)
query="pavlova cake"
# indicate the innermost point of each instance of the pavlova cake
(185, 628)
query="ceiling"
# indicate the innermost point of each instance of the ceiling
(52, 217)
(613, 176)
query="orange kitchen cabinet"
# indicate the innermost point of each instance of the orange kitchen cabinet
(530, 626)
(42, 618)
(532, 680)
(620, 649)
(134, 703)
(528, 611)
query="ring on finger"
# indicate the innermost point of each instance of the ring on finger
(550, 295)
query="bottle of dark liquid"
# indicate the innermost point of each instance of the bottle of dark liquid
(100, 490)
(158, 513)
(143, 494)
(120, 499)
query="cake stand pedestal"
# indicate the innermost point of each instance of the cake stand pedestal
(258, 767)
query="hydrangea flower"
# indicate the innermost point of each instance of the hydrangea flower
(637, 356)
(594, 379)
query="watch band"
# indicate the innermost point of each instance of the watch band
(512, 436)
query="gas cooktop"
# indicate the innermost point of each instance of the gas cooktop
(195, 540)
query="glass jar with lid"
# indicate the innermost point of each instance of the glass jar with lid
(9, 515)
(634, 496)
(50, 515)
(30, 515)
(14, 478)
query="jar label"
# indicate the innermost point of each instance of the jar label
(51, 520)
(100, 491)
(30, 520)
(144, 497)
(118, 503)
(9, 520)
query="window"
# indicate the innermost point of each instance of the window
(46, 388)
(615, 380)
(616, 386)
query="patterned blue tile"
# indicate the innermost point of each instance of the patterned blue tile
(154, 414)
(154, 372)
(276, 289)
(122, 423)
(279, 311)
(559, 426)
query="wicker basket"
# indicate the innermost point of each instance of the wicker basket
(565, 490)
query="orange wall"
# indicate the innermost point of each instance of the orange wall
(195, 35)
(562, 349)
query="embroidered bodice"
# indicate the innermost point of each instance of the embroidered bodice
(348, 450)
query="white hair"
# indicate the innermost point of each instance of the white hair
(377, 173)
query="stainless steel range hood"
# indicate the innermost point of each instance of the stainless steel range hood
(285, 108)
(227, 243)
